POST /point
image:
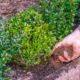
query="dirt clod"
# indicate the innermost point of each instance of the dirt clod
(60, 52)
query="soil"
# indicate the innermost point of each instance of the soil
(12, 7)
(46, 72)
(60, 52)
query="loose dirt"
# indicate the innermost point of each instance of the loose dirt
(12, 7)
(60, 52)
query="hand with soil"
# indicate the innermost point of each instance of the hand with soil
(69, 48)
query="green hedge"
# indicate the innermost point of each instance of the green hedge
(29, 38)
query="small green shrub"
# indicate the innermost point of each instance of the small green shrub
(29, 38)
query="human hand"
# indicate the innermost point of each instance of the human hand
(71, 40)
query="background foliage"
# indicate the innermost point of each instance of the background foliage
(59, 14)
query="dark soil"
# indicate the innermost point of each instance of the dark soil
(40, 72)
(44, 71)
(60, 52)
(12, 7)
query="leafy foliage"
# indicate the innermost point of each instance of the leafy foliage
(29, 37)
(4, 56)
(3, 67)
(59, 14)
(31, 33)
(77, 16)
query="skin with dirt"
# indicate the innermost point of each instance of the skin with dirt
(60, 52)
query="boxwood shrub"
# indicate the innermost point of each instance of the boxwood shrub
(29, 38)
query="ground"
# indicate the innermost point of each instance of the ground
(11, 7)
(69, 71)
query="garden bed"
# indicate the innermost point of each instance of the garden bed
(38, 72)
(47, 72)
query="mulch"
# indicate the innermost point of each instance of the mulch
(12, 7)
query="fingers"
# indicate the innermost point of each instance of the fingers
(62, 59)
(59, 44)
(76, 51)
(66, 56)
(67, 41)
